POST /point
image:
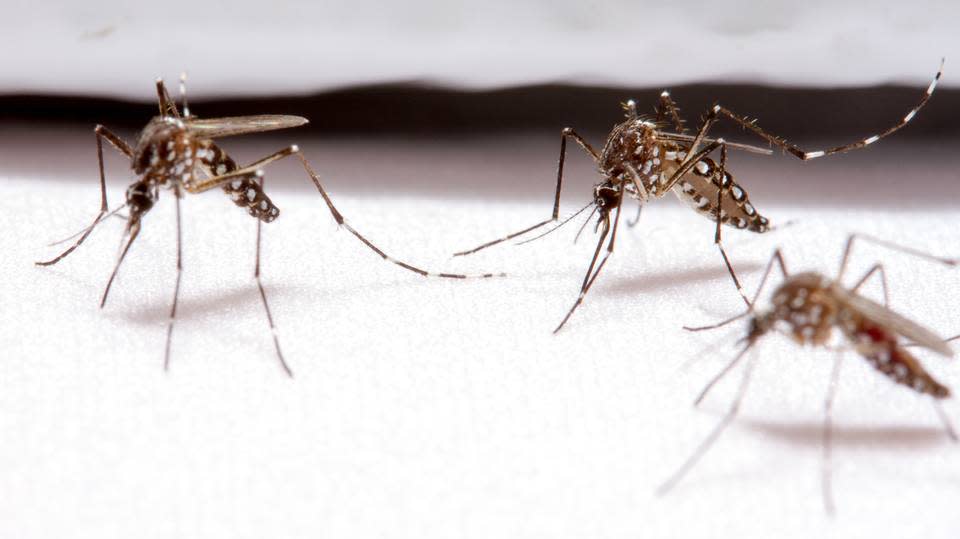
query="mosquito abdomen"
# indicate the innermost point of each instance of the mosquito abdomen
(245, 191)
(882, 351)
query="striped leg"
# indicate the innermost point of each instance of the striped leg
(567, 132)
(240, 182)
(266, 306)
(807, 155)
(724, 191)
(338, 217)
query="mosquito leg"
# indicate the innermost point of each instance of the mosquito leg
(889, 245)
(588, 278)
(134, 232)
(636, 219)
(237, 172)
(708, 442)
(827, 471)
(168, 108)
(176, 288)
(722, 191)
(806, 155)
(338, 217)
(719, 376)
(778, 258)
(692, 159)
(266, 306)
(118, 143)
(877, 268)
(564, 135)
(255, 169)
(945, 419)
(666, 107)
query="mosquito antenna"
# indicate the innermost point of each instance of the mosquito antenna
(584, 225)
(565, 221)
(84, 231)
(719, 376)
(703, 352)
(183, 95)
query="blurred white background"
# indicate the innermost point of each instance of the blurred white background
(437, 409)
(109, 48)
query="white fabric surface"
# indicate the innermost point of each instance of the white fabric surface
(243, 48)
(436, 409)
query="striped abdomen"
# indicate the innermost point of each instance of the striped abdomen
(245, 191)
(880, 348)
(700, 188)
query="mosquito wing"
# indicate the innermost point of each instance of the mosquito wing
(896, 323)
(240, 125)
(706, 140)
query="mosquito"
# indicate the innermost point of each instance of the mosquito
(177, 151)
(643, 160)
(808, 307)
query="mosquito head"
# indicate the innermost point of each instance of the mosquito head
(759, 325)
(140, 199)
(606, 196)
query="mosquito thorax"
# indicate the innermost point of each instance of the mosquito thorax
(804, 302)
(164, 149)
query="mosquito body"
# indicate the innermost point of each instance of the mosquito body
(643, 160)
(810, 306)
(814, 310)
(177, 152)
(639, 159)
